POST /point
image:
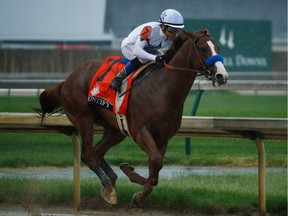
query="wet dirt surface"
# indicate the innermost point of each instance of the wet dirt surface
(167, 172)
(13, 210)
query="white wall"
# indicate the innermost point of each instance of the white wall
(53, 20)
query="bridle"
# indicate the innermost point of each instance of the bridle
(203, 72)
(205, 63)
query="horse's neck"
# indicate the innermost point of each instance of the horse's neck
(180, 82)
(181, 57)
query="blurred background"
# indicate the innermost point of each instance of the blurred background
(41, 38)
(43, 41)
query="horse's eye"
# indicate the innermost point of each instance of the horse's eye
(203, 50)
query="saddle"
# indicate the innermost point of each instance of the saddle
(101, 94)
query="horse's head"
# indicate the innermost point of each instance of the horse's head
(210, 60)
(204, 54)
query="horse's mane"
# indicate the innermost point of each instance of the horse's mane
(180, 40)
(177, 43)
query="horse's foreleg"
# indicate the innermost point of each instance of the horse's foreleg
(133, 176)
(147, 143)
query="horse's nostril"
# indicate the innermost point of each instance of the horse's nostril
(219, 78)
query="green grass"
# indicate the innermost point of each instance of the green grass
(229, 104)
(18, 104)
(217, 103)
(22, 150)
(230, 193)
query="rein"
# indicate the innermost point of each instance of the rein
(170, 67)
(207, 63)
(203, 72)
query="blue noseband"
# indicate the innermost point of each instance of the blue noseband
(211, 60)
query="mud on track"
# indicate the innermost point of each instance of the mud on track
(17, 210)
(167, 172)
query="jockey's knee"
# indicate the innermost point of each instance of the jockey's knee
(136, 62)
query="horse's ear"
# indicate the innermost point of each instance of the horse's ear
(206, 32)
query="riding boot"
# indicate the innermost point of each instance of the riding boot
(117, 81)
(129, 68)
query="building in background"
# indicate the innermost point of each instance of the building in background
(102, 24)
(53, 24)
(122, 16)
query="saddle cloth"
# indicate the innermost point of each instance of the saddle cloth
(101, 94)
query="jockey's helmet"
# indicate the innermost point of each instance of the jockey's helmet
(172, 18)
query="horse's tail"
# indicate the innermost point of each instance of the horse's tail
(50, 101)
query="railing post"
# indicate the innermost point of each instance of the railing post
(76, 172)
(261, 177)
(193, 113)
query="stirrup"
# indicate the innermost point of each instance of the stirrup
(116, 84)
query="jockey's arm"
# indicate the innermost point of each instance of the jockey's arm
(139, 51)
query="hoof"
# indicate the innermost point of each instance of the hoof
(135, 200)
(109, 197)
(125, 166)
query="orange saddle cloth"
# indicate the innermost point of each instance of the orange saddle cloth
(100, 93)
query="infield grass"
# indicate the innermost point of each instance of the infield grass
(213, 103)
(25, 150)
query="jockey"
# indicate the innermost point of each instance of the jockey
(145, 42)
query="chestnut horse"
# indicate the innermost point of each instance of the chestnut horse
(154, 110)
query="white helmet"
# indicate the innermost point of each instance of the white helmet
(172, 18)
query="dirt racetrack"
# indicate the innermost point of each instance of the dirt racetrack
(9, 210)
(20, 210)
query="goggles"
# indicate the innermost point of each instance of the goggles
(171, 29)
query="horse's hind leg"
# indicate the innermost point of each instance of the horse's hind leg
(84, 121)
(110, 138)
(97, 164)
(109, 171)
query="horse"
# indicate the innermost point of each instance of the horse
(154, 110)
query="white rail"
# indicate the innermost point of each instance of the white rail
(34, 87)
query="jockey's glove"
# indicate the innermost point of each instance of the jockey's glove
(160, 59)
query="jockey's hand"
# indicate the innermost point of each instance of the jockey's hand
(160, 59)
